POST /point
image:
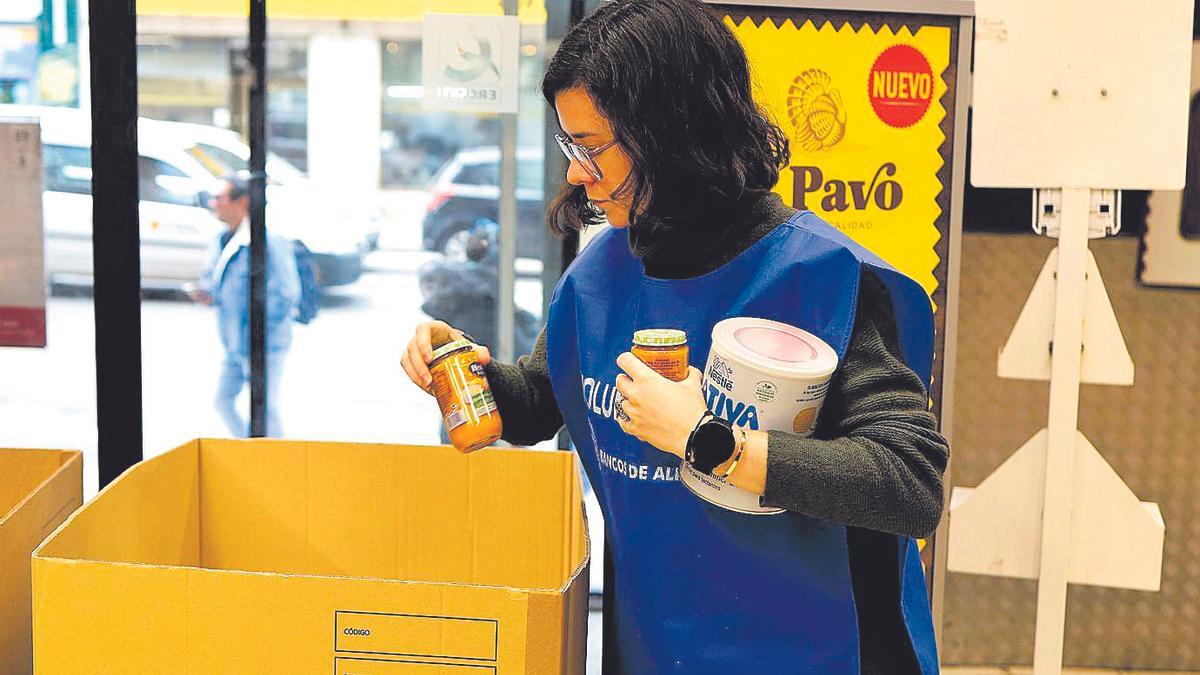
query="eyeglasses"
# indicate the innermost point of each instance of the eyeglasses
(585, 156)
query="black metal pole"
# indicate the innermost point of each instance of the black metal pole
(258, 218)
(558, 252)
(115, 256)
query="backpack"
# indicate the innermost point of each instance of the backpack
(310, 290)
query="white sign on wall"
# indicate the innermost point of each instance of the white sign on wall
(469, 62)
(1081, 93)
(22, 271)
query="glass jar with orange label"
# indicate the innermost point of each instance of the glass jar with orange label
(663, 349)
(468, 408)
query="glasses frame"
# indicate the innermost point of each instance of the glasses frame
(584, 155)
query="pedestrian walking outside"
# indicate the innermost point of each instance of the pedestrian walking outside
(225, 285)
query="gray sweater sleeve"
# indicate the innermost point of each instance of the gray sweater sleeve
(881, 468)
(528, 410)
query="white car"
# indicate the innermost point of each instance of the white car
(290, 191)
(174, 183)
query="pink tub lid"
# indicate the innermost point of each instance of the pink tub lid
(775, 347)
(775, 343)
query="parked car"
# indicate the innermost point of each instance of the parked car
(466, 189)
(222, 151)
(174, 185)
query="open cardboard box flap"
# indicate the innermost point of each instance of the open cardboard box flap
(38, 490)
(282, 556)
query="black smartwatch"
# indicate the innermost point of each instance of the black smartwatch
(711, 443)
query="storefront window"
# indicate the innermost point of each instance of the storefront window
(397, 206)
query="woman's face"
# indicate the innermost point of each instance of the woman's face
(583, 124)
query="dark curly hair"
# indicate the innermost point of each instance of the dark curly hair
(674, 83)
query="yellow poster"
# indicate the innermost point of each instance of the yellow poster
(862, 108)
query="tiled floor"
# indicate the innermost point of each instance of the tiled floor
(593, 648)
(593, 666)
(1026, 670)
(593, 661)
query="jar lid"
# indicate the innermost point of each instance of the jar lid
(774, 348)
(450, 347)
(660, 337)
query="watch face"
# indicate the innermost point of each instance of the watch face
(714, 444)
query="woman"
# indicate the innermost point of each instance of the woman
(667, 144)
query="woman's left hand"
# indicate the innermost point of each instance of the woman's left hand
(657, 410)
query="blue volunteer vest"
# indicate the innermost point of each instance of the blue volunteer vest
(693, 588)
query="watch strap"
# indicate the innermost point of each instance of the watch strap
(737, 454)
(689, 452)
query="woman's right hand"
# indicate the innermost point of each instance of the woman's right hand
(429, 336)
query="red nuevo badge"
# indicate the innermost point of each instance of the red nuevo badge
(900, 86)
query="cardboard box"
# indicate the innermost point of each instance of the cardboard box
(293, 557)
(38, 490)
